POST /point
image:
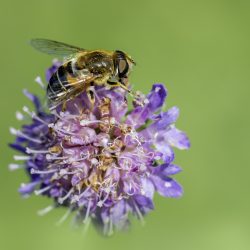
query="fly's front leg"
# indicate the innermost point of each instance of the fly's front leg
(134, 95)
(118, 84)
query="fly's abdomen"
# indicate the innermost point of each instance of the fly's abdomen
(58, 84)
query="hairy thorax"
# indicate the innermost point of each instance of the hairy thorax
(96, 63)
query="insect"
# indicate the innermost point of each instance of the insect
(83, 69)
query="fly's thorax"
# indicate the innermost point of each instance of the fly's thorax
(98, 63)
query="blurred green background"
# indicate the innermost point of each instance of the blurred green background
(200, 50)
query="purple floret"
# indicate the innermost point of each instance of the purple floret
(103, 163)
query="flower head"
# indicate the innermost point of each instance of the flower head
(102, 162)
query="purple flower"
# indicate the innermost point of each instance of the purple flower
(105, 163)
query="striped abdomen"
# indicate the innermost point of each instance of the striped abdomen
(59, 83)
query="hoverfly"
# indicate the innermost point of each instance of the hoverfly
(83, 69)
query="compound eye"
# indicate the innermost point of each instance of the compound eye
(121, 63)
(123, 67)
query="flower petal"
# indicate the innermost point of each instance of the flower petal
(26, 189)
(118, 212)
(166, 169)
(147, 187)
(177, 138)
(166, 118)
(167, 152)
(138, 116)
(84, 136)
(143, 201)
(156, 97)
(52, 69)
(18, 147)
(163, 120)
(167, 187)
(34, 99)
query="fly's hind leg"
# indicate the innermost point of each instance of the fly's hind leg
(71, 97)
(91, 95)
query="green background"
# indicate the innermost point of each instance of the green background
(200, 50)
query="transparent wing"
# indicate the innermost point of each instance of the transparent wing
(53, 47)
(74, 88)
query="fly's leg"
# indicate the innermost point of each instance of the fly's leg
(91, 95)
(64, 105)
(118, 84)
(71, 97)
(133, 94)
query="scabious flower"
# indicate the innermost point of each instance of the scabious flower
(102, 163)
